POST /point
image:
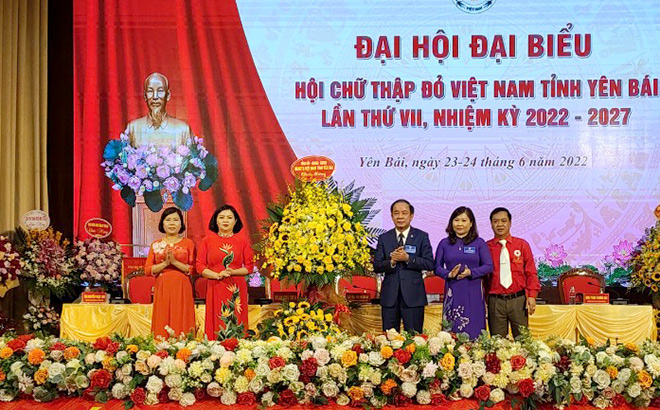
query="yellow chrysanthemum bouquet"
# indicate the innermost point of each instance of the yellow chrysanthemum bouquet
(645, 261)
(319, 235)
(295, 321)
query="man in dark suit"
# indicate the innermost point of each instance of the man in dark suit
(402, 254)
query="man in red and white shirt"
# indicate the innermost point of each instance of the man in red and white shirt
(514, 284)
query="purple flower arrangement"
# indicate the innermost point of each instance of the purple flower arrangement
(159, 172)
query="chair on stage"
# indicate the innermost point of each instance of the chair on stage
(137, 286)
(435, 288)
(361, 289)
(583, 280)
(279, 291)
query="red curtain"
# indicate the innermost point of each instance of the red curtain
(201, 47)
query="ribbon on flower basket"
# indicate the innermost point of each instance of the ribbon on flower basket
(339, 309)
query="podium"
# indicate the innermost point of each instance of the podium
(145, 226)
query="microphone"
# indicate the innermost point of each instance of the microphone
(595, 284)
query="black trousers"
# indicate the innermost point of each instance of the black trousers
(413, 317)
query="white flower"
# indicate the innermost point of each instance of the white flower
(290, 372)
(262, 369)
(173, 381)
(375, 359)
(600, 402)
(410, 375)
(16, 367)
(175, 394)
(496, 395)
(34, 344)
(591, 370)
(56, 369)
(636, 364)
(56, 355)
(188, 399)
(478, 369)
(285, 353)
(90, 358)
(179, 365)
(73, 364)
(143, 355)
(244, 356)
(576, 385)
(241, 384)
(322, 356)
(267, 399)
(364, 358)
(5, 395)
(196, 369)
(120, 391)
(466, 390)
(307, 354)
(256, 385)
(275, 376)
(151, 399)
(409, 389)
(153, 361)
(228, 398)
(319, 342)
(330, 389)
(376, 378)
(122, 354)
(423, 397)
(154, 384)
(602, 379)
(465, 370)
(227, 359)
(624, 374)
(335, 370)
(213, 389)
(343, 400)
(126, 369)
(634, 390)
(618, 386)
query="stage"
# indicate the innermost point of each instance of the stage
(627, 323)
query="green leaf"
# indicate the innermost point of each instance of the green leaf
(112, 150)
(154, 200)
(101, 397)
(128, 195)
(211, 172)
(183, 201)
(128, 404)
(275, 213)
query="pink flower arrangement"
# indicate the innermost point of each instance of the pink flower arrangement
(10, 261)
(98, 261)
(47, 261)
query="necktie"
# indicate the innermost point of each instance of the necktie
(401, 239)
(505, 266)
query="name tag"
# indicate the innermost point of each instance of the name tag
(470, 249)
(410, 248)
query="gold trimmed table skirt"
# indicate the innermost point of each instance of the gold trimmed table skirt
(86, 322)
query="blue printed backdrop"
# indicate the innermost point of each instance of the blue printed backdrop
(587, 208)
